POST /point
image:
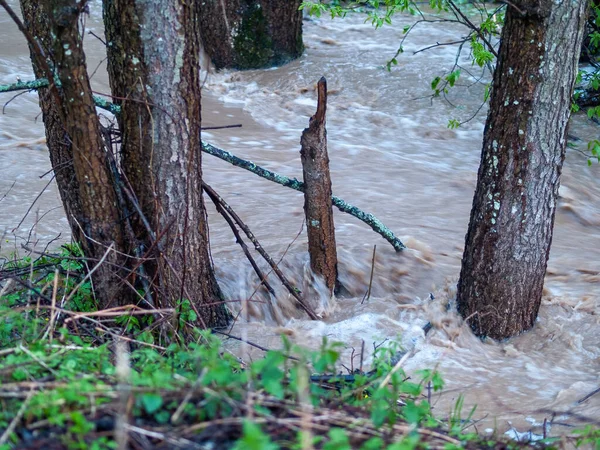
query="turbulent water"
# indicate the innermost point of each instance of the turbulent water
(392, 155)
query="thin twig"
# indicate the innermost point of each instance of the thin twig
(217, 201)
(490, 47)
(11, 99)
(263, 253)
(222, 127)
(49, 330)
(260, 347)
(90, 273)
(440, 44)
(594, 392)
(13, 423)
(33, 204)
(395, 369)
(367, 295)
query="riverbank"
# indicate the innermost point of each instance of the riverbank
(75, 377)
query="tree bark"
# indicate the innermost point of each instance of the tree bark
(250, 34)
(76, 149)
(154, 68)
(57, 139)
(510, 231)
(318, 208)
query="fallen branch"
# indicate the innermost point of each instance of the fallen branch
(43, 83)
(220, 209)
(292, 183)
(293, 291)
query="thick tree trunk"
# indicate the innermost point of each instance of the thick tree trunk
(318, 208)
(76, 149)
(57, 139)
(154, 64)
(510, 231)
(250, 34)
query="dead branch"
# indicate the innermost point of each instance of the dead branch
(317, 195)
(292, 183)
(263, 253)
(216, 200)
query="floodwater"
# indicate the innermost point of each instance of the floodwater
(392, 155)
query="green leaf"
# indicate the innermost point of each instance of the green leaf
(415, 413)
(80, 423)
(437, 381)
(375, 443)
(151, 402)
(453, 124)
(253, 438)
(452, 77)
(338, 440)
(19, 374)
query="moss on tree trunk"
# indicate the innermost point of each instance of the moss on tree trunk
(250, 34)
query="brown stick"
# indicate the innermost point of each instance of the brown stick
(263, 253)
(367, 295)
(261, 276)
(594, 392)
(317, 194)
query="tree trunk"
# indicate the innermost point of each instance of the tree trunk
(510, 231)
(57, 139)
(250, 34)
(76, 149)
(317, 195)
(154, 68)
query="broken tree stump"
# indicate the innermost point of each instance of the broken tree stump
(318, 207)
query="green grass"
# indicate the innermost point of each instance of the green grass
(76, 378)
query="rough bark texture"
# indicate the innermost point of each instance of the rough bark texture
(154, 64)
(57, 139)
(510, 230)
(99, 217)
(317, 194)
(249, 34)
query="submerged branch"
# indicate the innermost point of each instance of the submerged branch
(217, 200)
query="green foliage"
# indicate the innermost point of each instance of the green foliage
(453, 124)
(378, 12)
(76, 382)
(254, 438)
(338, 440)
(78, 375)
(480, 38)
(589, 436)
(594, 149)
(481, 55)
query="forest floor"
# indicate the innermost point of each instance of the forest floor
(73, 377)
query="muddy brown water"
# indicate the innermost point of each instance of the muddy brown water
(392, 155)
